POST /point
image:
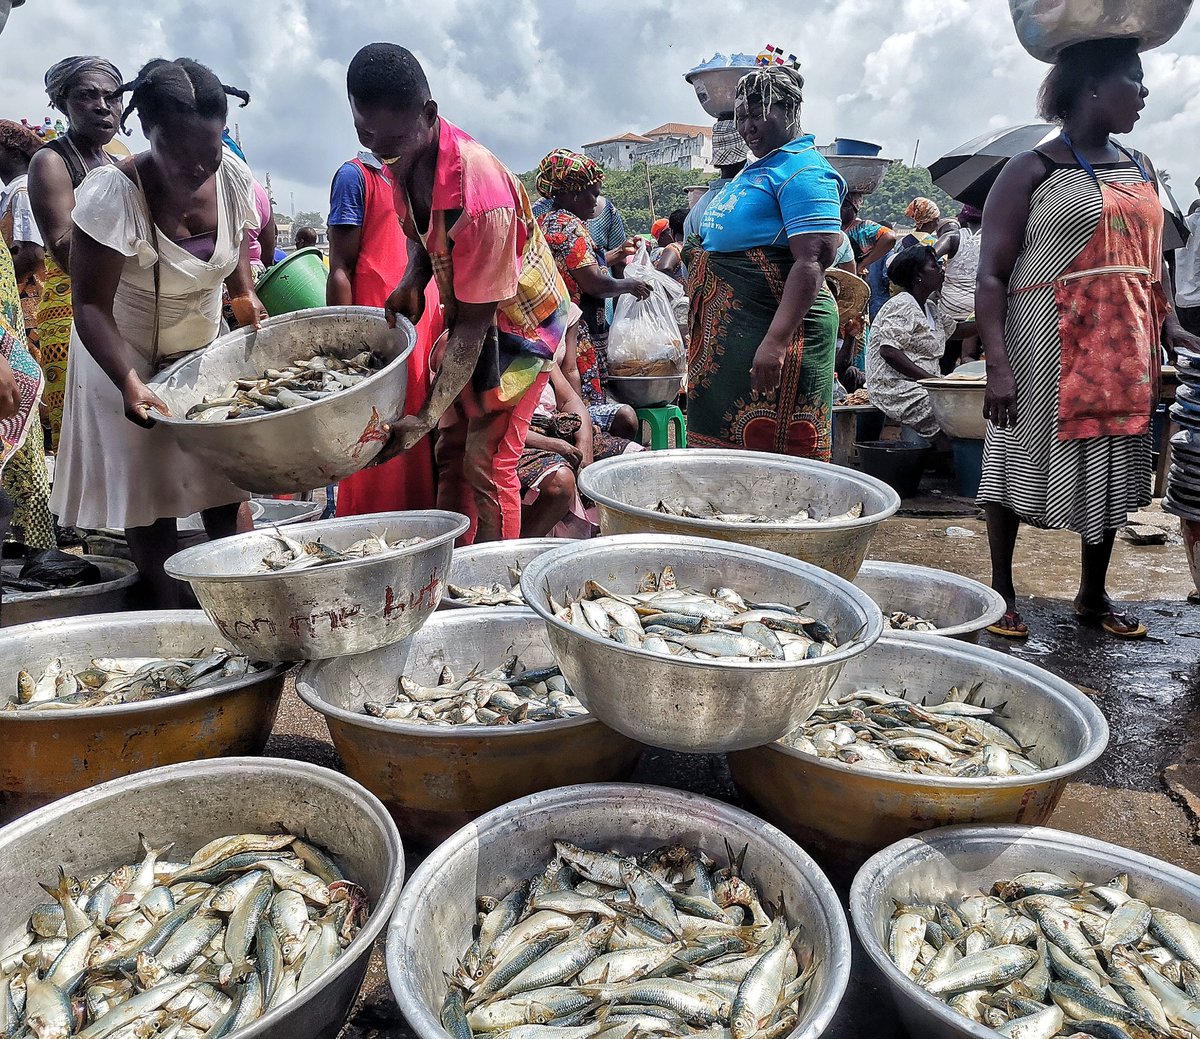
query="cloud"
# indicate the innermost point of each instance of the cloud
(525, 76)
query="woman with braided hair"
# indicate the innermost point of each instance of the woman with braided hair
(763, 324)
(155, 238)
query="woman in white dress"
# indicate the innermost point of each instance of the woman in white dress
(155, 238)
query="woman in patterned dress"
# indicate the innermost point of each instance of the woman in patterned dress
(84, 88)
(1072, 308)
(572, 182)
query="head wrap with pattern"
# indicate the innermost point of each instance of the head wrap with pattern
(923, 211)
(565, 170)
(60, 77)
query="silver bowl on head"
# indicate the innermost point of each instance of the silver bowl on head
(689, 705)
(716, 87)
(196, 802)
(300, 448)
(433, 922)
(863, 174)
(435, 779)
(848, 812)
(489, 563)
(49, 754)
(957, 861)
(109, 596)
(961, 608)
(327, 611)
(645, 391)
(627, 488)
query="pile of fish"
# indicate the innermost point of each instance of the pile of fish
(304, 555)
(496, 594)
(505, 695)
(180, 949)
(877, 731)
(109, 681)
(298, 383)
(605, 945)
(898, 620)
(803, 518)
(672, 621)
(1045, 955)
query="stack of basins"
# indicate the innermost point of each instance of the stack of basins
(1183, 482)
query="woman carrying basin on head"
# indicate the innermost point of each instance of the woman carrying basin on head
(155, 238)
(763, 324)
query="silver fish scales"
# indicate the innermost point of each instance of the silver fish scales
(802, 518)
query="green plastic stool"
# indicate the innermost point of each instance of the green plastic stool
(660, 420)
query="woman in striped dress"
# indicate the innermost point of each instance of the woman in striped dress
(1072, 307)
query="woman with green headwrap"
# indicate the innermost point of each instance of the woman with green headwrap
(763, 324)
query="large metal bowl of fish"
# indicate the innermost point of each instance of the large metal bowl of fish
(697, 645)
(929, 601)
(279, 410)
(62, 733)
(1074, 928)
(118, 576)
(490, 574)
(981, 737)
(819, 513)
(560, 849)
(269, 878)
(339, 587)
(436, 773)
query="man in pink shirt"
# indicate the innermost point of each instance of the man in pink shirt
(470, 227)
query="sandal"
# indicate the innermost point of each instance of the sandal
(1010, 626)
(1119, 625)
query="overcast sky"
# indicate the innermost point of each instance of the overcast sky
(525, 76)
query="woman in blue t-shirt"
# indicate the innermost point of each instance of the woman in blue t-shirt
(763, 325)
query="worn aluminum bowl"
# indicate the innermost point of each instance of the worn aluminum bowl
(489, 563)
(627, 488)
(645, 391)
(863, 174)
(49, 754)
(433, 922)
(1045, 30)
(300, 448)
(848, 813)
(961, 608)
(689, 705)
(961, 860)
(328, 611)
(958, 406)
(716, 87)
(109, 596)
(193, 803)
(436, 779)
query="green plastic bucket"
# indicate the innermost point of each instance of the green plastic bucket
(296, 283)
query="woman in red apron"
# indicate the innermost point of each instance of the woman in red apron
(367, 256)
(1072, 308)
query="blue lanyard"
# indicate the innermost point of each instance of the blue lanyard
(1091, 169)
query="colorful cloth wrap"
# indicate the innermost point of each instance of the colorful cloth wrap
(565, 170)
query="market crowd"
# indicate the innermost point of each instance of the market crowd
(786, 298)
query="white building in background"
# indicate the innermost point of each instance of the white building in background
(681, 145)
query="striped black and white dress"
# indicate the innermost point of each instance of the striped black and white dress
(1088, 486)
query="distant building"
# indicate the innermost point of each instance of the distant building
(680, 145)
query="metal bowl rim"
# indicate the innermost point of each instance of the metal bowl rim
(276, 670)
(482, 551)
(700, 525)
(402, 358)
(115, 584)
(175, 566)
(260, 768)
(827, 904)
(1097, 727)
(866, 638)
(990, 616)
(890, 860)
(306, 690)
(688, 76)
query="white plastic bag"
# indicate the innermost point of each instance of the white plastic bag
(645, 339)
(1047, 27)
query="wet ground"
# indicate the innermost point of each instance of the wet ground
(1142, 794)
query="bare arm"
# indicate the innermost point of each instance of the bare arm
(1004, 221)
(596, 281)
(345, 241)
(812, 255)
(53, 199)
(570, 402)
(268, 238)
(570, 361)
(947, 245)
(243, 298)
(883, 246)
(408, 298)
(901, 362)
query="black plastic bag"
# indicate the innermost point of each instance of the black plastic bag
(53, 569)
